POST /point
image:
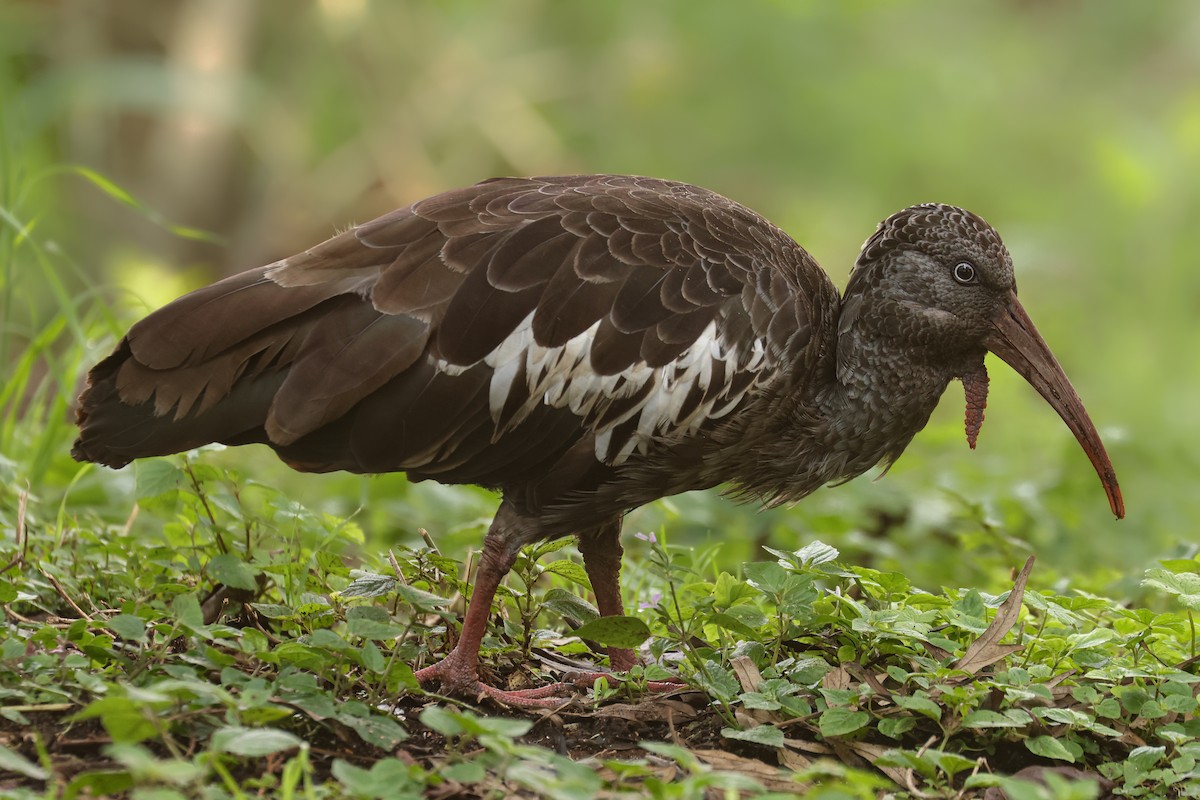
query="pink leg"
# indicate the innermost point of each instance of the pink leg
(601, 551)
(458, 672)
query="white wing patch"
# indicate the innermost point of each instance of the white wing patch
(562, 377)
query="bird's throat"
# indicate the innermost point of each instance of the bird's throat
(866, 417)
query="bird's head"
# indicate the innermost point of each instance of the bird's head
(936, 275)
(938, 279)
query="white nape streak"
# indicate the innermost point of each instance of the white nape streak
(562, 377)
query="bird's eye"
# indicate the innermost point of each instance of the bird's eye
(964, 272)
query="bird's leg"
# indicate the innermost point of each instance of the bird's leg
(601, 551)
(458, 672)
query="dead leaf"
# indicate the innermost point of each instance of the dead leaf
(987, 650)
(816, 748)
(793, 760)
(935, 652)
(836, 678)
(870, 679)
(771, 777)
(657, 710)
(751, 679)
(747, 673)
(871, 753)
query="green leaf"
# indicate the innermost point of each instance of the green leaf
(301, 655)
(124, 719)
(441, 720)
(767, 735)
(359, 781)
(1062, 716)
(494, 726)
(569, 570)
(374, 729)
(815, 553)
(927, 762)
(1109, 708)
(842, 721)
(983, 718)
(1151, 710)
(627, 632)
(326, 639)
(766, 576)
(950, 763)
(809, 670)
(921, 705)
(232, 571)
(760, 701)
(387, 778)
(128, 626)
(12, 761)
(274, 610)
(156, 476)
(370, 629)
(1184, 585)
(467, 772)
(372, 613)
(1145, 758)
(1181, 564)
(1049, 747)
(1093, 638)
(149, 767)
(372, 658)
(1181, 703)
(895, 727)
(253, 742)
(750, 615)
(186, 608)
(565, 604)
(422, 600)
(718, 681)
(538, 551)
(371, 622)
(1132, 697)
(734, 625)
(369, 584)
(99, 783)
(119, 194)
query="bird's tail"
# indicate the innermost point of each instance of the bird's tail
(247, 359)
(114, 432)
(203, 369)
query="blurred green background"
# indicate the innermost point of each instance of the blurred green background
(1073, 127)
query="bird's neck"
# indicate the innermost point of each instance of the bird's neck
(870, 396)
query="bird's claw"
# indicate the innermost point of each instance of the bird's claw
(463, 681)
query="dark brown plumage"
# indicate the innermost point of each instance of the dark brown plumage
(585, 345)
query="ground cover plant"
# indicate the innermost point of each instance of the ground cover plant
(223, 640)
(183, 628)
(214, 625)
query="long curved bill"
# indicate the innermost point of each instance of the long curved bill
(1017, 341)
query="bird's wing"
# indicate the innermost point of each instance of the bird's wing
(643, 307)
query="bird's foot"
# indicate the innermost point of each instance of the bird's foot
(621, 662)
(462, 679)
(553, 695)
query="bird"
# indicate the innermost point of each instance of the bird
(583, 345)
